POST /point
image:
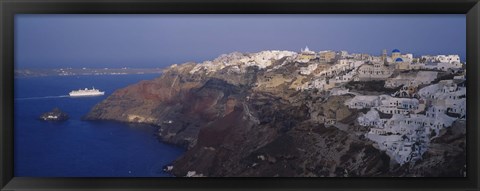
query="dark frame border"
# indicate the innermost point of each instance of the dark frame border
(8, 8)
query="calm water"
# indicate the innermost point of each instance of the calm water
(77, 148)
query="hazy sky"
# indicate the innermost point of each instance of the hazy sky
(160, 40)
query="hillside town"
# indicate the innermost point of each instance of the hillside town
(306, 113)
(430, 90)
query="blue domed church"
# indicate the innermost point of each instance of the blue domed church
(400, 63)
(396, 54)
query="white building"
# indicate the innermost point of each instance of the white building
(392, 105)
(371, 118)
(448, 58)
(437, 119)
(361, 101)
(261, 59)
(344, 78)
(458, 107)
(445, 89)
(309, 69)
(374, 71)
(441, 58)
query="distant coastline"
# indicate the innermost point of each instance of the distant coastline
(27, 73)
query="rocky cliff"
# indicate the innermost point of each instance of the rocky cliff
(251, 115)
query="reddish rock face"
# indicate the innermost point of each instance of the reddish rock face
(202, 105)
(214, 134)
(188, 103)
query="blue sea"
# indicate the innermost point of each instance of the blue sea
(78, 148)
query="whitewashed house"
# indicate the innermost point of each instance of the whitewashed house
(309, 69)
(374, 71)
(361, 101)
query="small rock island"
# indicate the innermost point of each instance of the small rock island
(55, 115)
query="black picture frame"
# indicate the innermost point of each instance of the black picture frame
(8, 9)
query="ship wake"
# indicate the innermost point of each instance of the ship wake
(44, 97)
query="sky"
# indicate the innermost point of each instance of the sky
(153, 41)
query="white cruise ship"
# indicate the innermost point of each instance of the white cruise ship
(86, 92)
